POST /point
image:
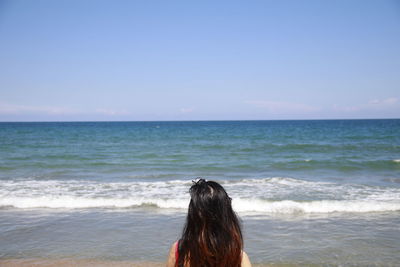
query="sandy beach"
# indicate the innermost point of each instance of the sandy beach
(89, 262)
(75, 262)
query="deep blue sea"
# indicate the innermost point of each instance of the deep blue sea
(308, 192)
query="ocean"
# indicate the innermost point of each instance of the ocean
(312, 192)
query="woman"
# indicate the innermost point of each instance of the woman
(212, 236)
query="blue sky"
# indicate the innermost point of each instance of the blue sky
(199, 60)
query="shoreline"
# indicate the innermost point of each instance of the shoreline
(66, 262)
(75, 262)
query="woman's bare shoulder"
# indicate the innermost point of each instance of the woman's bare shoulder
(245, 260)
(171, 256)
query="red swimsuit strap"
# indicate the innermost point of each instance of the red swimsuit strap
(177, 251)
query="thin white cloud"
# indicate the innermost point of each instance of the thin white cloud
(11, 109)
(276, 107)
(339, 108)
(186, 110)
(384, 102)
(374, 104)
(111, 112)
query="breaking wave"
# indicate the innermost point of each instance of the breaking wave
(261, 196)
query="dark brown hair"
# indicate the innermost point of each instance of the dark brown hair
(212, 234)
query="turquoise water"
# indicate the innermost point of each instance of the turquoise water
(331, 187)
(365, 151)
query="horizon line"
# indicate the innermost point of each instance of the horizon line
(216, 120)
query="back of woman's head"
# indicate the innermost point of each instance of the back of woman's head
(212, 234)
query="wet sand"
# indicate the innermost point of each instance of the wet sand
(74, 262)
(88, 263)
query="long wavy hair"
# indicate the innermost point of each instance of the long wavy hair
(212, 235)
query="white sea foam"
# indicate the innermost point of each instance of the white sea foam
(322, 206)
(240, 205)
(81, 203)
(262, 196)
